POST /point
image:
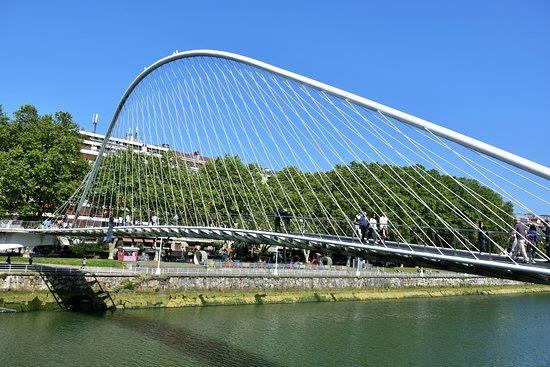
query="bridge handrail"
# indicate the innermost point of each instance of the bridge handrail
(118, 223)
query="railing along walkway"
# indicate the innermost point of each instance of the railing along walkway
(230, 272)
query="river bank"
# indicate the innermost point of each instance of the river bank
(52, 291)
(24, 301)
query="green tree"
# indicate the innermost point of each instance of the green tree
(40, 162)
(229, 192)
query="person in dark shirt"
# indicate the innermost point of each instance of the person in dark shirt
(546, 232)
(286, 216)
(481, 236)
(363, 223)
(519, 235)
(277, 220)
(532, 239)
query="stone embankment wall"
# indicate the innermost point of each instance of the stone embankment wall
(167, 283)
(38, 291)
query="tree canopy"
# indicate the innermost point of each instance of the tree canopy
(229, 192)
(41, 166)
(40, 161)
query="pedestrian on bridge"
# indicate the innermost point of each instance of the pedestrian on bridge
(373, 227)
(356, 228)
(532, 239)
(277, 220)
(286, 216)
(546, 232)
(364, 225)
(176, 218)
(155, 220)
(482, 236)
(383, 228)
(519, 236)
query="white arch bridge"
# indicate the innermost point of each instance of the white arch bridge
(210, 144)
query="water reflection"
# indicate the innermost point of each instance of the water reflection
(212, 351)
(458, 331)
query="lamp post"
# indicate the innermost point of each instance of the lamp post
(276, 271)
(157, 272)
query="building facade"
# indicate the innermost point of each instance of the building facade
(93, 141)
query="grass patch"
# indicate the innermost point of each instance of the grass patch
(65, 261)
(128, 284)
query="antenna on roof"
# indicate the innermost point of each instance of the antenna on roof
(95, 119)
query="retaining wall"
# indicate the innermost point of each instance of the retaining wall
(25, 292)
(166, 283)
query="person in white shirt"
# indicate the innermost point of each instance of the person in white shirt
(373, 228)
(155, 220)
(383, 227)
(356, 225)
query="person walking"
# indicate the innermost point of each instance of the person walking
(176, 219)
(286, 216)
(155, 220)
(277, 220)
(376, 236)
(356, 228)
(519, 235)
(481, 236)
(383, 228)
(373, 227)
(532, 239)
(364, 225)
(83, 262)
(110, 231)
(546, 232)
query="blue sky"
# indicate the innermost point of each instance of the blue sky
(481, 68)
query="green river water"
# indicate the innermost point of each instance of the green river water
(454, 331)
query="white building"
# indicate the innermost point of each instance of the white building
(93, 141)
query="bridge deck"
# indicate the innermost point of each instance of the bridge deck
(486, 264)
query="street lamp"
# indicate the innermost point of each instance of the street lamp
(276, 272)
(157, 272)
